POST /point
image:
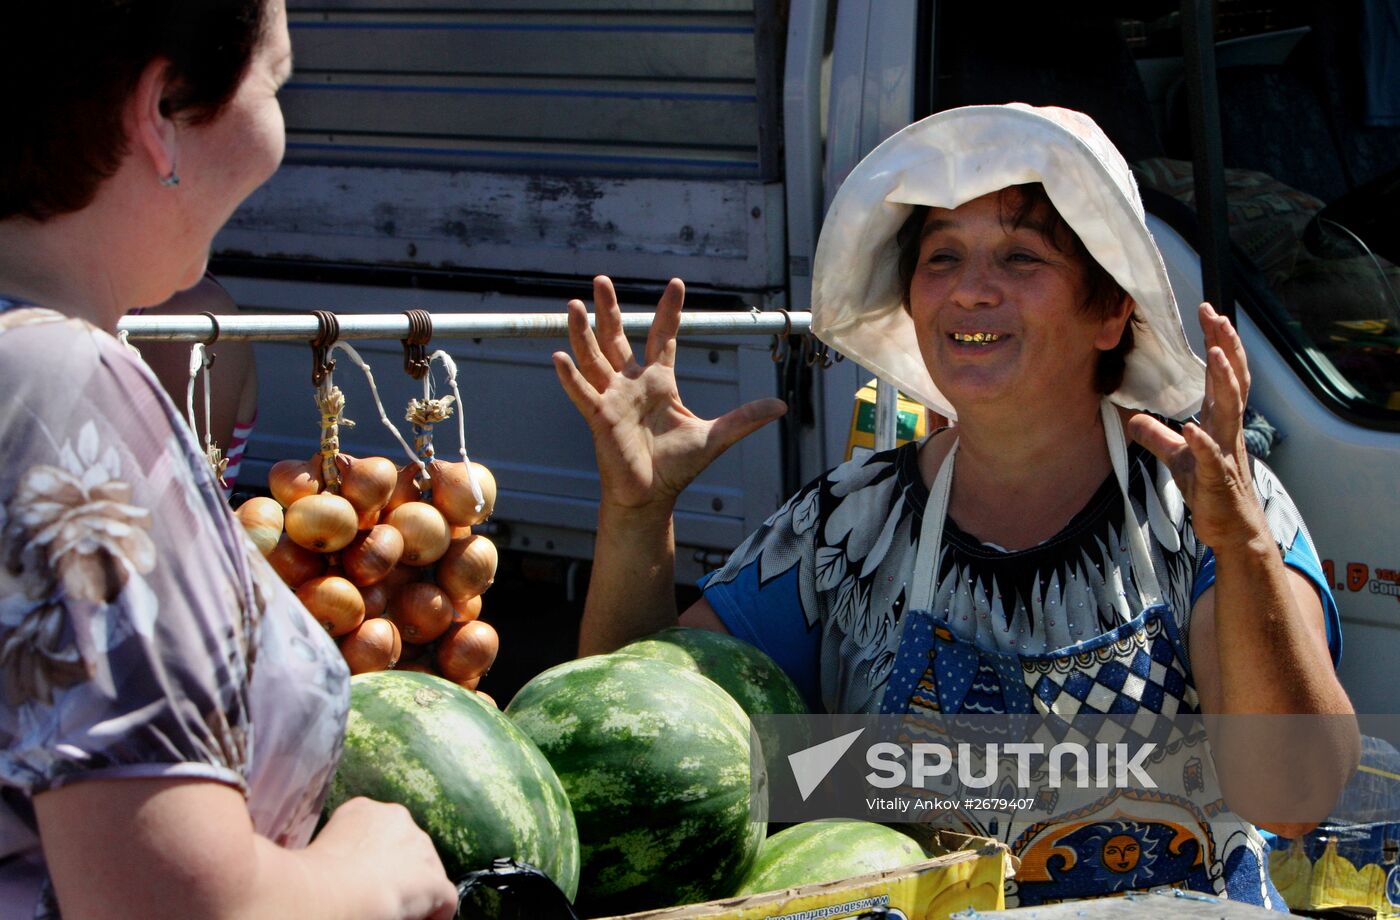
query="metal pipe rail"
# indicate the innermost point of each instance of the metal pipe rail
(302, 327)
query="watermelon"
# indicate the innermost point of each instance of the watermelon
(824, 851)
(472, 780)
(747, 674)
(656, 761)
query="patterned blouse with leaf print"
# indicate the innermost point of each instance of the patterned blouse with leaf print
(141, 635)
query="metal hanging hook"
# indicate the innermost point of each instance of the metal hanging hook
(327, 331)
(781, 347)
(816, 353)
(209, 356)
(415, 346)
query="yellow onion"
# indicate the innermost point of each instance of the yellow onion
(426, 535)
(405, 488)
(488, 698)
(289, 480)
(324, 522)
(334, 602)
(487, 481)
(372, 554)
(466, 608)
(422, 611)
(466, 652)
(376, 599)
(295, 564)
(468, 567)
(401, 575)
(262, 518)
(374, 645)
(366, 482)
(452, 492)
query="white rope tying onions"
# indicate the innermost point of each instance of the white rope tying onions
(201, 361)
(379, 406)
(451, 367)
(124, 337)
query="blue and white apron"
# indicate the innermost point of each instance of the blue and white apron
(1100, 841)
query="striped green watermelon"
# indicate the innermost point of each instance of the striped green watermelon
(747, 674)
(472, 780)
(656, 762)
(823, 851)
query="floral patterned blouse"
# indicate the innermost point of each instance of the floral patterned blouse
(141, 634)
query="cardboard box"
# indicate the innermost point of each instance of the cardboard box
(1149, 905)
(968, 872)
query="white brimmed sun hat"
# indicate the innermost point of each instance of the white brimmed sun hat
(951, 158)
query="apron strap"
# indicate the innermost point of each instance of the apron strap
(921, 586)
(931, 534)
(1144, 575)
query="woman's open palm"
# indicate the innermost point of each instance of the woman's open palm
(649, 445)
(1208, 460)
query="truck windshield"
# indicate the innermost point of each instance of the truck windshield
(1311, 141)
(1341, 302)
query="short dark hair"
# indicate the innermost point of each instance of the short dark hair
(70, 65)
(1102, 293)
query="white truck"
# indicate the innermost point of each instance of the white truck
(493, 155)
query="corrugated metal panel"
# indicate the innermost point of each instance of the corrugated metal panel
(624, 87)
(709, 231)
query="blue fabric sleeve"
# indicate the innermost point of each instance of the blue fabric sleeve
(770, 618)
(1299, 556)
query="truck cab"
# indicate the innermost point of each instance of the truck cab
(494, 158)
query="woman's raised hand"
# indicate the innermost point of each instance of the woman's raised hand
(1208, 460)
(649, 445)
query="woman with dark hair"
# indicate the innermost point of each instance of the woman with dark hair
(994, 263)
(170, 715)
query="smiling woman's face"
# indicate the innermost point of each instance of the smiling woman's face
(998, 308)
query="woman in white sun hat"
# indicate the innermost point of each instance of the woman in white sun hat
(993, 262)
